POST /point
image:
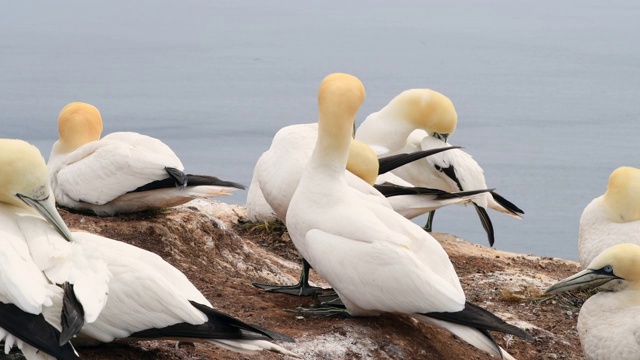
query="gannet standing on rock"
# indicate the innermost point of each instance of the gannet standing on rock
(612, 218)
(375, 259)
(608, 321)
(147, 297)
(421, 119)
(123, 172)
(278, 170)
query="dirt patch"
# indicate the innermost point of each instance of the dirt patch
(222, 255)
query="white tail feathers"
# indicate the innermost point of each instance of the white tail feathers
(251, 347)
(469, 335)
(209, 191)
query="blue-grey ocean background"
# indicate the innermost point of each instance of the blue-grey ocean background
(547, 92)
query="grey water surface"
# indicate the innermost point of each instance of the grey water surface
(547, 92)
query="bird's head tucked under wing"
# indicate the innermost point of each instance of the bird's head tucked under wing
(24, 181)
(425, 109)
(78, 123)
(619, 262)
(363, 162)
(622, 198)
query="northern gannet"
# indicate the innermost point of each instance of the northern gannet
(147, 297)
(613, 217)
(608, 321)
(26, 295)
(278, 170)
(122, 172)
(421, 119)
(375, 259)
(30, 220)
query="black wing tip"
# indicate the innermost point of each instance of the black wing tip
(274, 335)
(178, 176)
(481, 319)
(245, 329)
(196, 180)
(72, 315)
(511, 207)
(35, 331)
(390, 190)
(389, 163)
(486, 223)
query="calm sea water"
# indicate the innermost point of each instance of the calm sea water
(547, 92)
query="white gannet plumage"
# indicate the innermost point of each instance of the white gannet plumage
(147, 297)
(151, 299)
(613, 217)
(278, 170)
(608, 321)
(375, 259)
(277, 173)
(122, 172)
(28, 289)
(422, 119)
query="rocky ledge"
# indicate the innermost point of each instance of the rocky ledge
(222, 255)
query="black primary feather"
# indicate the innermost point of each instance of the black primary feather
(479, 318)
(179, 177)
(390, 190)
(389, 163)
(192, 180)
(218, 326)
(486, 223)
(507, 204)
(35, 331)
(72, 314)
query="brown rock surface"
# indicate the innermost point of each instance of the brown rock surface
(223, 256)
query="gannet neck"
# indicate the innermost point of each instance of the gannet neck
(339, 98)
(622, 198)
(24, 175)
(363, 162)
(78, 123)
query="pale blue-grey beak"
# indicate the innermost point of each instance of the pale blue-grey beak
(588, 278)
(47, 208)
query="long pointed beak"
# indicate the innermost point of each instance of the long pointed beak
(47, 208)
(584, 279)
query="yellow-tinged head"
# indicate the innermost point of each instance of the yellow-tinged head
(363, 162)
(78, 123)
(339, 98)
(622, 198)
(622, 261)
(424, 109)
(24, 182)
(340, 95)
(22, 171)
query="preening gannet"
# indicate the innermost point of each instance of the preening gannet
(28, 216)
(375, 259)
(147, 297)
(612, 218)
(25, 297)
(122, 172)
(421, 119)
(608, 321)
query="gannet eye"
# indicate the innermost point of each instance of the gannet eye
(608, 269)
